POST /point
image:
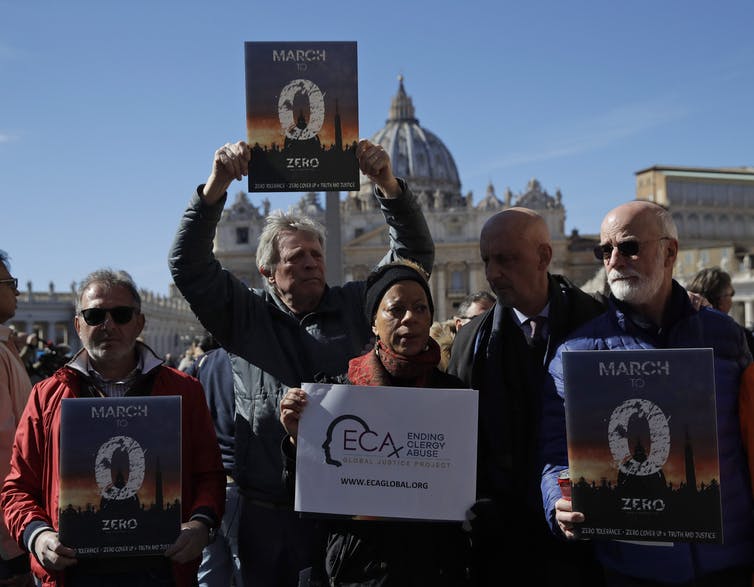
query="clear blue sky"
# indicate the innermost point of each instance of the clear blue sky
(110, 111)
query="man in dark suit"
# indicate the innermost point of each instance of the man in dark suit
(504, 354)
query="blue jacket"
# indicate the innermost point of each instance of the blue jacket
(685, 328)
(213, 370)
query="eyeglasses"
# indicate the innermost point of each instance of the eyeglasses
(119, 314)
(625, 248)
(12, 281)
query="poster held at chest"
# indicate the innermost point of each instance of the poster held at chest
(120, 475)
(642, 444)
(389, 452)
(302, 116)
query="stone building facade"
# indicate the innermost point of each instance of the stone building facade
(170, 324)
(455, 219)
(713, 209)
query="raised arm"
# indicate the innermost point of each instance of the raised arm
(408, 231)
(231, 161)
(374, 162)
(221, 301)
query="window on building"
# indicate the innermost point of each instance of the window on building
(358, 232)
(242, 235)
(61, 333)
(692, 226)
(678, 219)
(458, 281)
(739, 230)
(455, 228)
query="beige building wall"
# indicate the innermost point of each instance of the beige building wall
(713, 209)
(170, 323)
(455, 219)
(458, 269)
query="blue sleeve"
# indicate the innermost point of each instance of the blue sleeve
(553, 443)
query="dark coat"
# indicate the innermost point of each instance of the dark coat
(272, 349)
(389, 553)
(491, 354)
(616, 329)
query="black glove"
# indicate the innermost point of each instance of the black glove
(483, 518)
(19, 565)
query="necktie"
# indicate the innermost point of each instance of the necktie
(536, 324)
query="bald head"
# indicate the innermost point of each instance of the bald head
(516, 251)
(518, 222)
(658, 219)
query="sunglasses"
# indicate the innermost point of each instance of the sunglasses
(12, 281)
(119, 314)
(625, 248)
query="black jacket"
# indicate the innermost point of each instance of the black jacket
(388, 553)
(491, 354)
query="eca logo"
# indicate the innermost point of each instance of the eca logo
(351, 433)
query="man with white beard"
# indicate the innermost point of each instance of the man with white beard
(648, 309)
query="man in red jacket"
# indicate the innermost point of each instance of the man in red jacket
(112, 363)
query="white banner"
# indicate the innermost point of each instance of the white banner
(394, 452)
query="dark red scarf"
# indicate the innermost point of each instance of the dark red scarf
(383, 367)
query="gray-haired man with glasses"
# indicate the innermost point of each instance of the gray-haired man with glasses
(648, 309)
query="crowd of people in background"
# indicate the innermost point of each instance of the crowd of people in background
(242, 390)
(40, 358)
(712, 283)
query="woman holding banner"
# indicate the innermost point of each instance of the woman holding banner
(388, 552)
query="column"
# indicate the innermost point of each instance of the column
(333, 252)
(477, 278)
(440, 297)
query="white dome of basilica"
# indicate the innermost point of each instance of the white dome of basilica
(417, 155)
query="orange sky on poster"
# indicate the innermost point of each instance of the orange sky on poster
(268, 132)
(596, 463)
(79, 492)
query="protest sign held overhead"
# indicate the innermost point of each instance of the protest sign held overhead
(302, 116)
